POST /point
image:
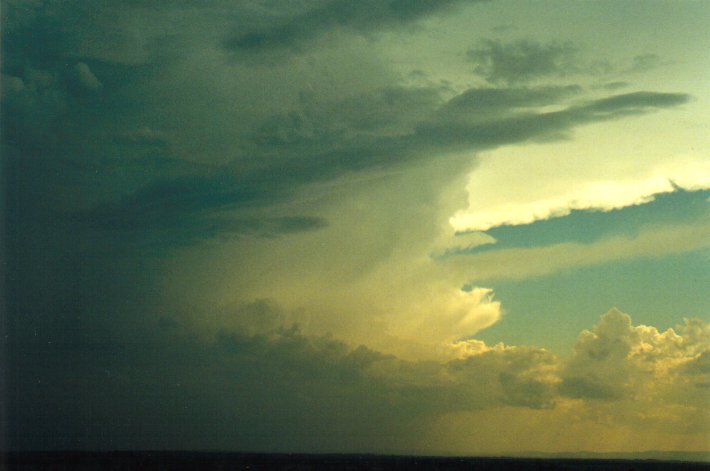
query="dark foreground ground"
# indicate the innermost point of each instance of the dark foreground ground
(239, 461)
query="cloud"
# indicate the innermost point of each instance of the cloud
(264, 384)
(645, 62)
(529, 61)
(159, 154)
(460, 314)
(522, 61)
(451, 130)
(505, 98)
(304, 27)
(50, 34)
(636, 102)
(604, 196)
(168, 202)
(587, 226)
(518, 263)
(615, 85)
(641, 368)
(598, 369)
(299, 201)
(523, 127)
(617, 360)
(86, 77)
(146, 136)
(322, 144)
(501, 192)
(518, 376)
(625, 387)
(258, 387)
(481, 104)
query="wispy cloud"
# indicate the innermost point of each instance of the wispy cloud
(517, 263)
(523, 61)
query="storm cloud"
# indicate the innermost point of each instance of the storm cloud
(300, 28)
(219, 221)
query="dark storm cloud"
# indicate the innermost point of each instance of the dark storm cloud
(458, 134)
(265, 385)
(330, 144)
(168, 230)
(262, 385)
(392, 127)
(125, 164)
(362, 16)
(171, 203)
(523, 60)
(47, 33)
(114, 140)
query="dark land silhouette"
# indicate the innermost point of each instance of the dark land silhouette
(149, 460)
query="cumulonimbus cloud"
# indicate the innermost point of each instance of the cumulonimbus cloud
(265, 369)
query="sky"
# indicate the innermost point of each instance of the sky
(384, 226)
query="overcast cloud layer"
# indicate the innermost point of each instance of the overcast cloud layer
(278, 226)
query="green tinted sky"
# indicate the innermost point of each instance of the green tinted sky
(373, 226)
